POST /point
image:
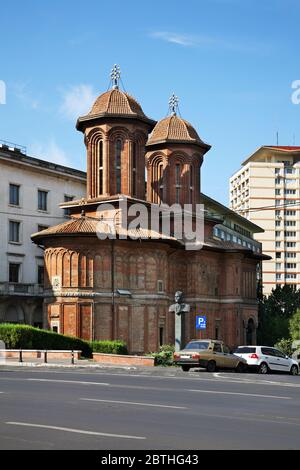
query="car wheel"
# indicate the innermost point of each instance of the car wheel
(185, 368)
(211, 366)
(294, 370)
(240, 368)
(263, 368)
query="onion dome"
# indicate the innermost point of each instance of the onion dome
(174, 129)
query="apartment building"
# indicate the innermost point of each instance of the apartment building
(30, 192)
(266, 190)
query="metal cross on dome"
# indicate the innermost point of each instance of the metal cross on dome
(173, 104)
(115, 75)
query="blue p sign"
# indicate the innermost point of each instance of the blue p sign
(200, 322)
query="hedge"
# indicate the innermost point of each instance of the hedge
(109, 347)
(28, 337)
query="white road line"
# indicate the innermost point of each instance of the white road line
(244, 394)
(69, 381)
(78, 431)
(135, 403)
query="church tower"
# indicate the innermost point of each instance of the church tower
(115, 131)
(174, 155)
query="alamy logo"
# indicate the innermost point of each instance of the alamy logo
(2, 352)
(2, 92)
(150, 221)
(296, 94)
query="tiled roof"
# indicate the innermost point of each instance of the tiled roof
(282, 147)
(174, 128)
(116, 102)
(89, 225)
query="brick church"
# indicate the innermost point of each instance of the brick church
(120, 288)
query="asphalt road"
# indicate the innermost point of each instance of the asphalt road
(147, 409)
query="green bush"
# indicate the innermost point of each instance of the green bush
(164, 357)
(109, 347)
(285, 346)
(28, 337)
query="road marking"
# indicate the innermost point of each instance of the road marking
(135, 403)
(69, 381)
(78, 431)
(244, 394)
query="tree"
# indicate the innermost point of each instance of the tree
(274, 313)
(294, 325)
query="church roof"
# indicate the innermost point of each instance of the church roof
(176, 130)
(116, 101)
(85, 226)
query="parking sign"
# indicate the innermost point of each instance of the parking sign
(200, 322)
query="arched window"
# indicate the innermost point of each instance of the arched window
(134, 169)
(118, 150)
(161, 182)
(100, 166)
(177, 182)
(191, 188)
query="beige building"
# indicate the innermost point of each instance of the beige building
(266, 190)
(30, 193)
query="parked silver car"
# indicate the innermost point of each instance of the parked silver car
(265, 359)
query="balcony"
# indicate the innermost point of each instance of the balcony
(20, 289)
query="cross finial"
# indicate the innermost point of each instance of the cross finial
(173, 104)
(115, 75)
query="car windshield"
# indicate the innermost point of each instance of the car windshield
(197, 345)
(244, 350)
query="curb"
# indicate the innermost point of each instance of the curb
(68, 366)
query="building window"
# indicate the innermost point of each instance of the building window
(14, 232)
(290, 255)
(277, 244)
(14, 194)
(42, 200)
(118, 149)
(161, 335)
(290, 265)
(40, 275)
(290, 223)
(277, 233)
(42, 227)
(290, 244)
(160, 286)
(289, 234)
(67, 198)
(278, 265)
(134, 169)
(290, 191)
(277, 223)
(177, 182)
(14, 272)
(100, 166)
(277, 192)
(278, 254)
(277, 171)
(278, 276)
(191, 183)
(161, 182)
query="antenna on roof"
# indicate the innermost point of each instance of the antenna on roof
(277, 138)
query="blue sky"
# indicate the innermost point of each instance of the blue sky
(231, 62)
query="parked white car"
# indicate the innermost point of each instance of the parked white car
(265, 359)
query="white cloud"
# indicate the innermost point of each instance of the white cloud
(22, 92)
(77, 101)
(182, 39)
(49, 151)
(190, 40)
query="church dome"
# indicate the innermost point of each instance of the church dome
(116, 102)
(174, 129)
